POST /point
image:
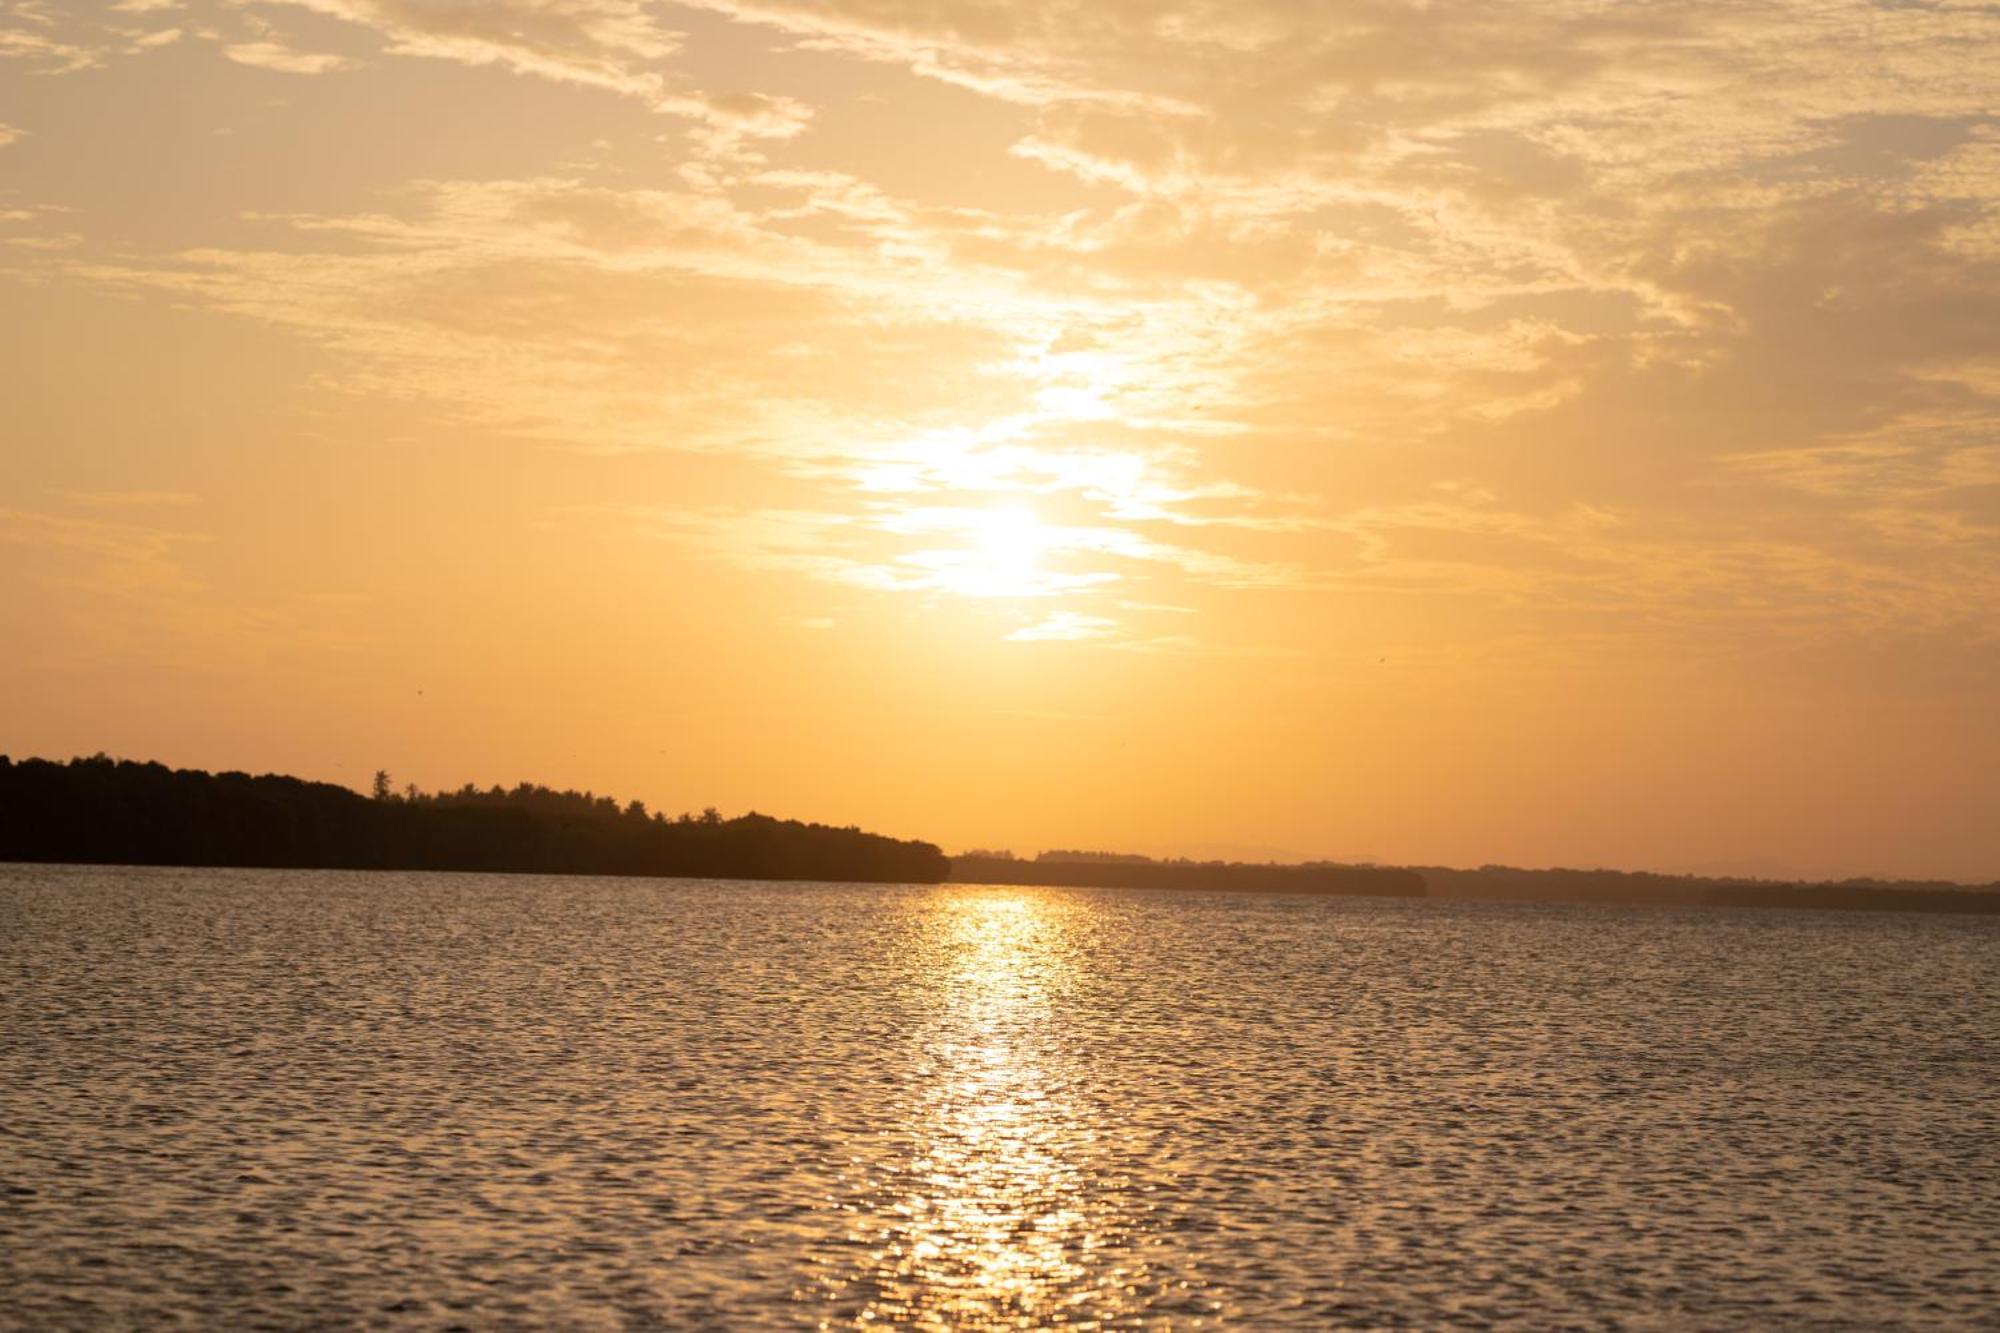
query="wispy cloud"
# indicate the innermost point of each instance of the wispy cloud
(1688, 306)
(44, 39)
(124, 557)
(283, 59)
(1065, 626)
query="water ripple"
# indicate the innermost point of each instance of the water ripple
(275, 1099)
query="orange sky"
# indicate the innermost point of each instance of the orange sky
(1447, 432)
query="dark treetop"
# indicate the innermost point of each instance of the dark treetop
(105, 811)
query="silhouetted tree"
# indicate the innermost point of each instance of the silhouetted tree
(100, 810)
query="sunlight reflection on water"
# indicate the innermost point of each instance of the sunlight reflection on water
(998, 1227)
(295, 1099)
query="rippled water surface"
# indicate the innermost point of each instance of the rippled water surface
(235, 1098)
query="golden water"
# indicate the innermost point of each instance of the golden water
(234, 1098)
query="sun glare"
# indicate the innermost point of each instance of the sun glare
(1010, 538)
(1001, 556)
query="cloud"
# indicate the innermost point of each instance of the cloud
(282, 59)
(1004, 556)
(123, 557)
(1064, 626)
(44, 38)
(616, 45)
(9, 134)
(1546, 312)
(140, 42)
(603, 43)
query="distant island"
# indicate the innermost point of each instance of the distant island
(117, 812)
(1485, 884)
(1637, 888)
(108, 811)
(1107, 870)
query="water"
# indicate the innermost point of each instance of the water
(235, 1099)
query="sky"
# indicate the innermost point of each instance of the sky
(1445, 433)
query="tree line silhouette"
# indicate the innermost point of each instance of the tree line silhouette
(1493, 883)
(108, 811)
(1490, 883)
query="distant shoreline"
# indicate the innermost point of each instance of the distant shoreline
(1191, 876)
(1499, 884)
(1966, 900)
(1507, 884)
(102, 811)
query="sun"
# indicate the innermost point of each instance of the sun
(1004, 549)
(1010, 536)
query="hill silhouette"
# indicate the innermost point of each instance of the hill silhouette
(107, 811)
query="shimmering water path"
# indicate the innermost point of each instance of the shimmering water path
(240, 1099)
